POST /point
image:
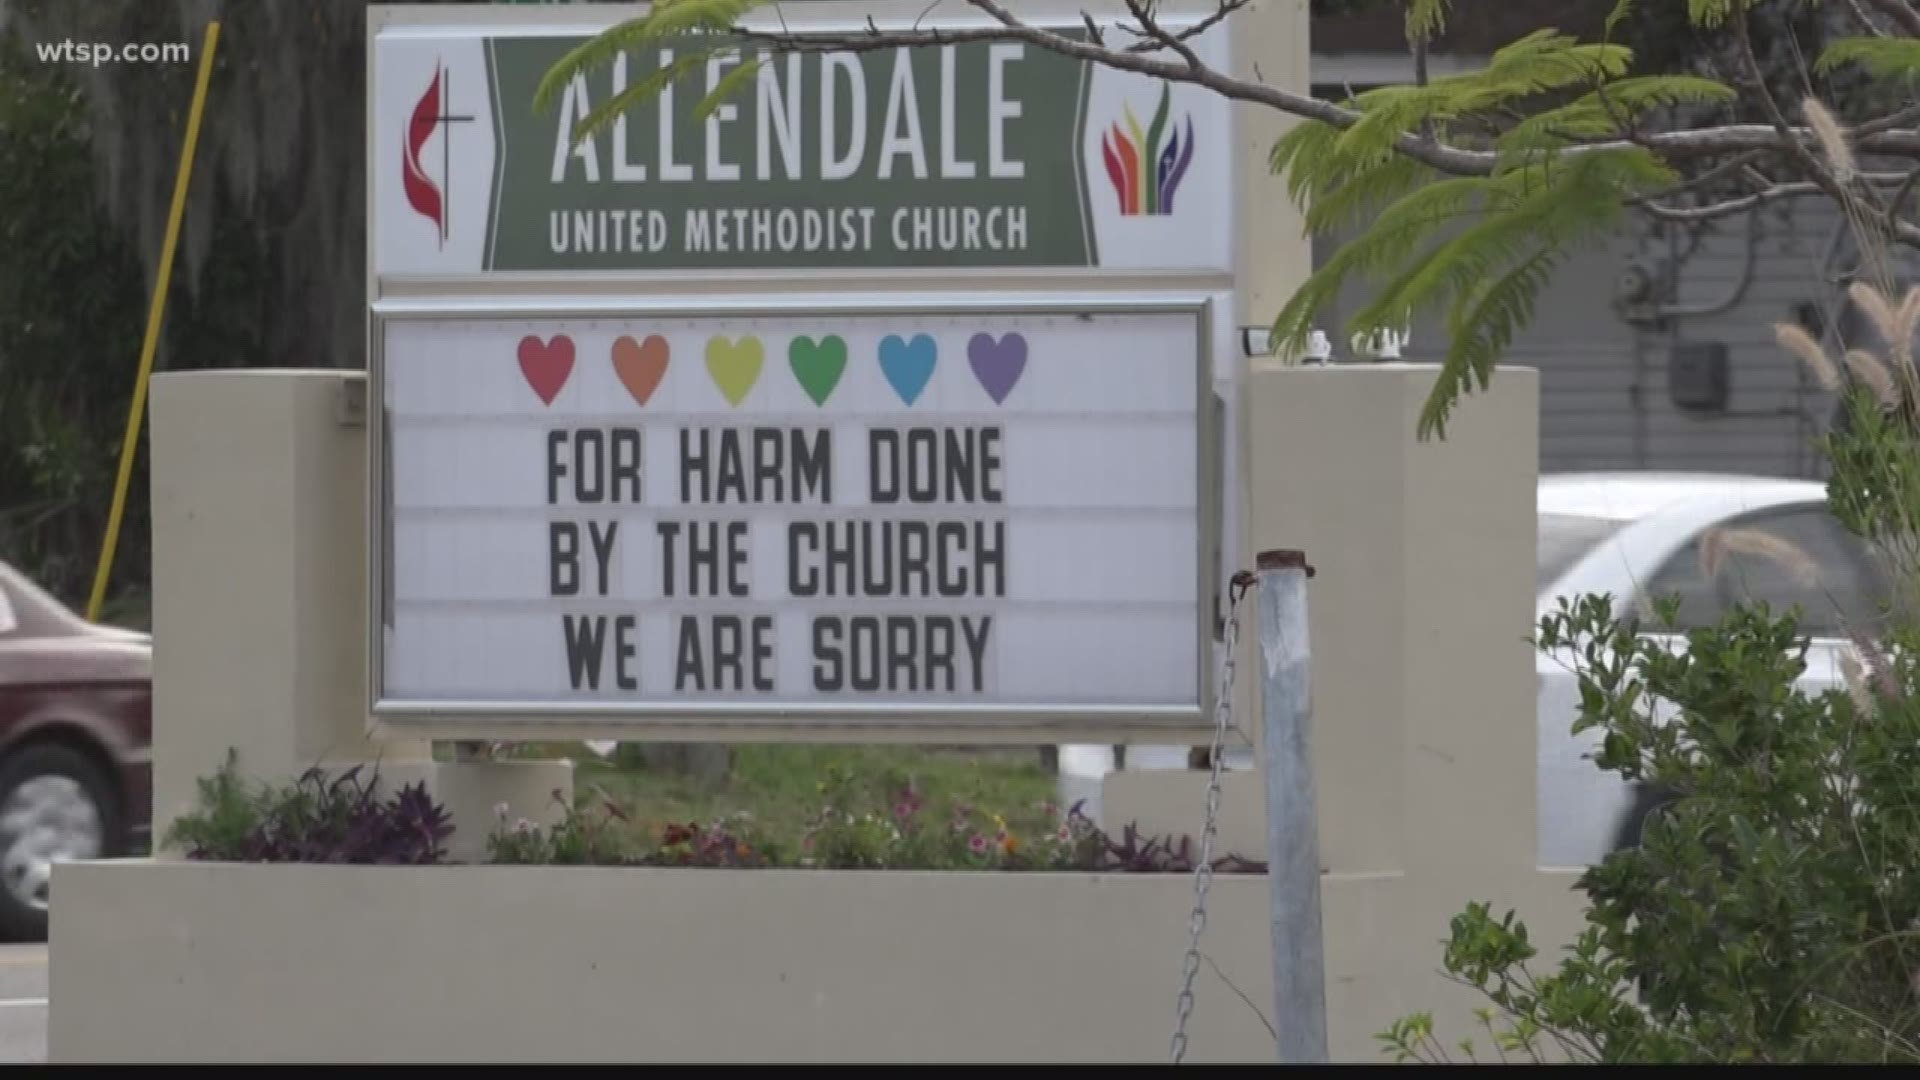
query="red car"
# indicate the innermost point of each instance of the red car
(76, 726)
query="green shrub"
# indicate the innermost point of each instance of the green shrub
(1771, 910)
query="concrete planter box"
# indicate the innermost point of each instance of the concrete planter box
(173, 961)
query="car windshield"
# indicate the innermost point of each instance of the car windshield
(1564, 538)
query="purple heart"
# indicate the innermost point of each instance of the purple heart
(997, 364)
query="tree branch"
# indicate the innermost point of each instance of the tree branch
(1226, 8)
(1901, 13)
(1718, 172)
(1144, 15)
(1452, 160)
(1860, 16)
(1757, 79)
(1900, 119)
(1728, 207)
(1771, 191)
(1900, 194)
(1447, 159)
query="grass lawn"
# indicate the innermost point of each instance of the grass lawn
(782, 786)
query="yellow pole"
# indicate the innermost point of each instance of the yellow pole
(132, 442)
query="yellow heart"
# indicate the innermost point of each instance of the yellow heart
(735, 366)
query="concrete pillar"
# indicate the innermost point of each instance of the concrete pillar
(259, 594)
(1423, 680)
(1423, 684)
(1423, 600)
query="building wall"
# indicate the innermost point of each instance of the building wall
(1604, 394)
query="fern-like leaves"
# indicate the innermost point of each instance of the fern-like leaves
(1885, 58)
(1425, 18)
(604, 114)
(1475, 250)
(714, 19)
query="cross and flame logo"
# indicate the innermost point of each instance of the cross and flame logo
(428, 196)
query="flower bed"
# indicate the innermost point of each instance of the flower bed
(840, 947)
(347, 819)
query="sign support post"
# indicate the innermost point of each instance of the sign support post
(1293, 845)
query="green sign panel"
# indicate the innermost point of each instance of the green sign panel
(969, 155)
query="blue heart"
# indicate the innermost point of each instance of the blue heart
(908, 365)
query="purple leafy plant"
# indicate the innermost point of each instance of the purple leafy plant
(317, 819)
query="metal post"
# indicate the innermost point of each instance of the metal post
(1293, 835)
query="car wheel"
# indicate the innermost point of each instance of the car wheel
(55, 806)
(1647, 801)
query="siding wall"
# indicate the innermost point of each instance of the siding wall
(1604, 398)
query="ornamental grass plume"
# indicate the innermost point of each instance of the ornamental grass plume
(1874, 375)
(1795, 339)
(1719, 543)
(1832, 139)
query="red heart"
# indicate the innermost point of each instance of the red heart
(546, 366)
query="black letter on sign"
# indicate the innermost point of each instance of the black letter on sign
(990, 464)
(727, 641)
(669, 532)
(602, 549)
(863, 633)
(623, 649)
(763, 653)
(563, 544)
(977, 645)
(799, 532)
(703, 554)
(950, 555)
(826, 654)
(767, 461)
(693, 464)
(939, 650)
(626, 464)
(586, 637)
(813, 466)
(589, 466)
(689, 662)
(903, 652)
(556, 464)
(923, 448)
(737, 558)
(883, 445)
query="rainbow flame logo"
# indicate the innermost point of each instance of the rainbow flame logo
(1145, 174)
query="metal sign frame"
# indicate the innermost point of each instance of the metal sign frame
(796, 720)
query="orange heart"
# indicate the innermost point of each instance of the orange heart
(640, 365)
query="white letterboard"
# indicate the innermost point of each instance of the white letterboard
(955, 517)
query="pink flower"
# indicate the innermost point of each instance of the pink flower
(1065, 833)
(908, 804)
(977, 845)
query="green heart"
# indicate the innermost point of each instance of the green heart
(735, 366)
(818, 367)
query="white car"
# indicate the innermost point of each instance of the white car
(1634, 536)
(1637, 536)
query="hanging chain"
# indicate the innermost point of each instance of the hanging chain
(1243, 583)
